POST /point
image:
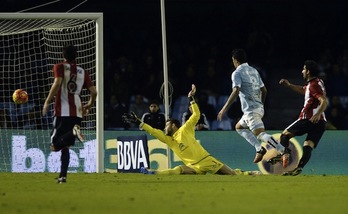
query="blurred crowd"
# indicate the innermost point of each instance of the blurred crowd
(199, 51)
(133, 83)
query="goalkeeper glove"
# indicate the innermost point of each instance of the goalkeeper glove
(192, 93)
(131, 118)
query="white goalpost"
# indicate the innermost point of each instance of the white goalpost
(31, 43)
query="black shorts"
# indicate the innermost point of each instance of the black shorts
(314, 131)
(61, 127)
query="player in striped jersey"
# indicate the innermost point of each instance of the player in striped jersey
(311, 120)
(69, 80)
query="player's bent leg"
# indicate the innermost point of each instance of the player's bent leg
(251, 138)
(57, 145)
(259, 155)
(306, 156)
(225, 170)
(77, 133)
(65, 159)
(66, 140)
(284, 140)
(265, 137)
(187, 170)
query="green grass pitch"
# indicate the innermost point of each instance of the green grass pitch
(125, 193)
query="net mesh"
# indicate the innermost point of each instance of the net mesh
(28, 50)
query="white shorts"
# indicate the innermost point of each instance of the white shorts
(253, 120)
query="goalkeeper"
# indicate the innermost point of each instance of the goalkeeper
(183, 143)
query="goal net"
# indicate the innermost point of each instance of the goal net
(31, 43)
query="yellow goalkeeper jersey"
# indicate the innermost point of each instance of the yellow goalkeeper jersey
(183, 142)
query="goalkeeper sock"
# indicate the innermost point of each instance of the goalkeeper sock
(175, 171)
(250, 137)
(307, 153)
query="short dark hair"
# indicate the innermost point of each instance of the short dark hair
(174, 121)
(239, 55)
(313, 67)
(69, 52)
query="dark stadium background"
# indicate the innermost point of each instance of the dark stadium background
(277, 34)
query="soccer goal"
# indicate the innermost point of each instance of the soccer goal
(31, 43)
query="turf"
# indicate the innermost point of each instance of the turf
(138, 193)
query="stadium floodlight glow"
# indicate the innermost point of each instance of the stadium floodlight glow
(31, 43)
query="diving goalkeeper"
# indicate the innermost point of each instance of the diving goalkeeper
(184, 144)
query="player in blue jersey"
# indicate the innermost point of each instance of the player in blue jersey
(248, 85)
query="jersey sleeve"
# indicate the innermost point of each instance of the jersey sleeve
(159, 134)
(58, 70)
(236, 79)
(190, 124)
(88, 82)
(317, 90)
(195, 114)
(261, 84)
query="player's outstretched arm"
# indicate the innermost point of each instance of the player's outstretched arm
(131, 118)
(297, 88)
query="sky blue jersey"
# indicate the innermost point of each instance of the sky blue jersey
(249, 82)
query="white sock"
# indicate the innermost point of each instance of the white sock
(250, 137)
(264, 137)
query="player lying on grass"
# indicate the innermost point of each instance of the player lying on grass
(181, 139)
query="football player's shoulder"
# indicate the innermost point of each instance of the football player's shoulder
(59, 69)
(236, 72)
(59, 65)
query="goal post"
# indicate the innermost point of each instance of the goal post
(31, 43)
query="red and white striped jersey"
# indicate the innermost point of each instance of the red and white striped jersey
(68, 101)
(313, 90)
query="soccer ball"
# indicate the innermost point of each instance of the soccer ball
(20, 96)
